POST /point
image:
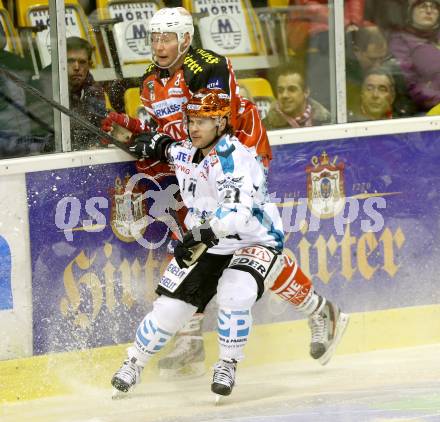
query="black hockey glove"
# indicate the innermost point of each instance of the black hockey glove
(194, 244)
(151, 145)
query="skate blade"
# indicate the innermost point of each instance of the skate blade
(341, 326)
(118, 394)
(188, 371)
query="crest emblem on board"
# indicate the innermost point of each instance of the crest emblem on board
(325, 186)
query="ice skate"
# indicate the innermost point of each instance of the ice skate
(328, 325)
(126, 377)
(223, 379)
(187, 359)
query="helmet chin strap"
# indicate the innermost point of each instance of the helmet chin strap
(179, 55)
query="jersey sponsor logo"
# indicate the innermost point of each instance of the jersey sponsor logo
(214, 83)
(325, 186)
(182, 168)
(168, 107)
(175, 129)
(256, 258)
(174, 275)
(226, 32)
(207, 56)
(294, 293)
(191, 63)
(182, 156)
(175, 91)
(257, 252)
(230, 183)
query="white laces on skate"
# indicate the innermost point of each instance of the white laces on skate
(224, 373)
(129, 373)
(318, 325)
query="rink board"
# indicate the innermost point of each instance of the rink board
(65, 373)
(90, 289)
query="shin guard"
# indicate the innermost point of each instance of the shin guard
(293, 286)
(233, 333)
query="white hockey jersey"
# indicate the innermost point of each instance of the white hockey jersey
(227, 188)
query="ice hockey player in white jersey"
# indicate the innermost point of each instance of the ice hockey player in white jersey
(233, 248)
(239, 233)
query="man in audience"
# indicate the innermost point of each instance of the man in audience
(15, 116)
(376, 98)
(294, 108)
(369, 49)
(86, 97)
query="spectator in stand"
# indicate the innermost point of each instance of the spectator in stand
(388, 15)
(416, 49)
(376, 97)
(294, 108)
(86, 97)
(367, 49)
(308, 37)
(16, 119)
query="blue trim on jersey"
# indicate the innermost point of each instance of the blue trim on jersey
(224, 152)
(267, 223)
(222, 214)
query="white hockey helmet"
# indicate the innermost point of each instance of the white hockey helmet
(173, 19)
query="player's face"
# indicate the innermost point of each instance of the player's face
(203, 130)
(78, 65)
(165, 48)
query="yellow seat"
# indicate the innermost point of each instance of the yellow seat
(261, 92)
(435, 111)
(133, 103)
(131, 35)
(257, 87)
(278, 3)
(36, 12)
(13, 43)
(232, 30)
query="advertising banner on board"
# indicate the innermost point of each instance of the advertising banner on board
(361, 218)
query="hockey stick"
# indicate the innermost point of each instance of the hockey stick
(197, 250)
(79, 119)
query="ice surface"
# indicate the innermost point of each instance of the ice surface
(393, 385)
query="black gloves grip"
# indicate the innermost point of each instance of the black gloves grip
(194, 245)
(151, 145)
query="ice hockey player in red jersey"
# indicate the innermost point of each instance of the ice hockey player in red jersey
(177, 71)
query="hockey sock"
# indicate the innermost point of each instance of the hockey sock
(233, 333)
(293, 286)
(150, 339)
